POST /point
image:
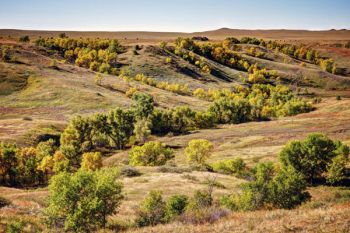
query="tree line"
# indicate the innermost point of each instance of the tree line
(300, 52)
(221, 53)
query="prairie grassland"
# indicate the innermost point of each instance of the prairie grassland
(35, 97)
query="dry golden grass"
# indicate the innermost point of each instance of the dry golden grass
(333, 219)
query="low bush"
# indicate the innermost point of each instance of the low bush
(150, 154)
(208, 215)
(130, 171)
(201, 199)
(176, 206)
(234, 166)
(152, 210)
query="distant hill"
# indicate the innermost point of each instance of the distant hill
(218, 34)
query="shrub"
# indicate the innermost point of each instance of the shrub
(234, 166)
(104, 68)
(132, 90)
(173, 169)
(82, 201)
(200, 200)
(150, 154)
(204, 120)
(24, 39)
(200, 93)
(168, 60)
(198, 151)
(91, 161)
(338, 97)
(286, 189)
(163, 44)
(98, 79)
(175, 206)
(62, 35)
(15, 227)
(208, 215)
(152, 210)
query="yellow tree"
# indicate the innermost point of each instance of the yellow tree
(198, 150)
(91, 161)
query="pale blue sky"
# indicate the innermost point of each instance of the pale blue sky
(174, 15)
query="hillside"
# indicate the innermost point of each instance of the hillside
(285, 96)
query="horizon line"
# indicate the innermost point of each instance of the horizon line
(191, 32)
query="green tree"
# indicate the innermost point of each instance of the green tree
(198, 151)
(310, 55)
(8, 163)
(336, 170)
(181, 119)
(270, 189)
(152, 210)
(28, 163)
(309, 157)
(120, 126)
(288, 189)
(77, 139)
(143, 104)
(150, 154)
(82, 201)
(142, 129)
(226, 110)
(91, 161)
(204, 120)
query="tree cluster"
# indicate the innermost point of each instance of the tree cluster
(95, 54)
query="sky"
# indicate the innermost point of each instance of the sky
(174, 15)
